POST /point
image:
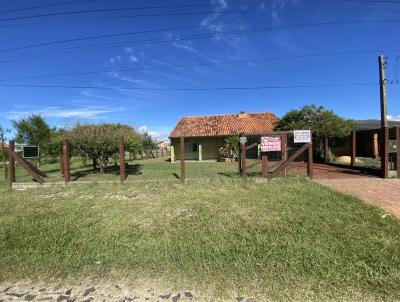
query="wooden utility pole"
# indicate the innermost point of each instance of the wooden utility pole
(384, 123)
(11, 163)
(122, 172)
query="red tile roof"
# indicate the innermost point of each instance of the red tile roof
(225, 125)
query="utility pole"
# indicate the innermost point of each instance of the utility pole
(384, 123)
(382, 88)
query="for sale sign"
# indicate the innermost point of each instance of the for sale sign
(30, 151)
(302, 136)
(271, 143)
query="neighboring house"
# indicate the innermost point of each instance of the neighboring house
(164, 145)
(368, 139)
(205, 135)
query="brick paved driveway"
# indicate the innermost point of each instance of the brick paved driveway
(383, 193)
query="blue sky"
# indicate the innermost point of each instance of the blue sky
(157, 110)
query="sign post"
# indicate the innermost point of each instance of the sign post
(264, 166)
(243, 166)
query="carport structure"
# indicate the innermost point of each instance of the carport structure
(367, 141)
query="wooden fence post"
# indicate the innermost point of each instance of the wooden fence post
(11, 163)
(310, 162)
(122, 172)
(243, 160)
(385, 152)
(285, 149)
(398, 150)
(65, 156)
(353, 147)
(182, 157)
(264, 166)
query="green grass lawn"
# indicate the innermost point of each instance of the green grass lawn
(290, 239)
(153, 169)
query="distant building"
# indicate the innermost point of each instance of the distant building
(164, 145)
(205, 135)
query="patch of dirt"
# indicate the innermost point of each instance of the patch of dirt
(87, 290)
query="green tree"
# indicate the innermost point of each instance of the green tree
(55, 144)
(33, 130)
(147, 142)
(231, 147)
(99, 142)
(323, 123)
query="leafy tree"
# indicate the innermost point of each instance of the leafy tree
(231, 147)
(55, 143)
(147, 142)
(100, 141)
(323, 123)
(33, 130)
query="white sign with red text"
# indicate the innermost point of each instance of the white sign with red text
(271, 143)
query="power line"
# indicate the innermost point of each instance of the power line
(110, 36)
(190, 37)
(125, 9)
(44, 6)
(192, 89)
(368, 1)
(200, 64)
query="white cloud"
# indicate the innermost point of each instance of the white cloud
(86, 112)
(395, 118)
(133, 58)
(128, 49)
(115, 60)
(161, 135)
(96, 95)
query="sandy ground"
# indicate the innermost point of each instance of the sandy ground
(58, 290)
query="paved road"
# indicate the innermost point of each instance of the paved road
(383, 193)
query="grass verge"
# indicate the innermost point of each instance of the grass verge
(290, 239)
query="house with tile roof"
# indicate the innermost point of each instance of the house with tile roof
(205, 135)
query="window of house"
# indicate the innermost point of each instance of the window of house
(191, 147)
